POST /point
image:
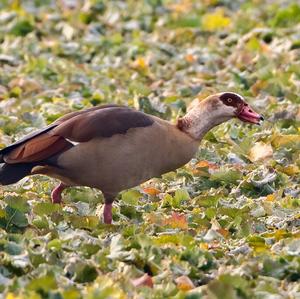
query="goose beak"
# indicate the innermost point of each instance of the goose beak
(247, 114)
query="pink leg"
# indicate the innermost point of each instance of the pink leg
(56, 193)
(107, 213)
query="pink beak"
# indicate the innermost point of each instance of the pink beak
(246, 114)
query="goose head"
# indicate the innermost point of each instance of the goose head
(214, 110)
(236, 106)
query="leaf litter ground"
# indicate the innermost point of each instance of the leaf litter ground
(226, 225)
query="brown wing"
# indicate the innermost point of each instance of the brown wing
(37, 149)
(102, 123)
(81, 112)
(81, 126)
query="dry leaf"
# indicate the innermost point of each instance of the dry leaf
(190, 58)
(152, 191)
(203, 246)
(258, 86)
(204, 163)
(270, 197)
(145, 280)
(177, 221)
(223, 232)
(140, 63)
(184, 283)
(291, 170)
(260, 151)
(285, 140)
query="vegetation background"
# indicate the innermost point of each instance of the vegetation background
(225, 226)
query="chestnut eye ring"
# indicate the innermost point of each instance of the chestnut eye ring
(229, 100)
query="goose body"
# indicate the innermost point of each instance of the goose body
(123, 161)
(113, 148)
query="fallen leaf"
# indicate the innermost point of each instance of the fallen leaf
(291, 170)
(223, 232)
(286, 140)
(260, 151)
(190, 58)
(26, 84)
(140, 63)
(204, 164)
(177, 221)
(215, 21)
(145, 280)
(184, 283)
(258, 86)
(152, 191)
(204, 246)
(270, 197)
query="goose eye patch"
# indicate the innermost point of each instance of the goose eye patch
(231, 99)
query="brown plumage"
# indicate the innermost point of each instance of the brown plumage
(113, 148)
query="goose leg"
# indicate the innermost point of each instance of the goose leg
(56, 193)
(107, 211)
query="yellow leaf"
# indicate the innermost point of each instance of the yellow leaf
(140, 63)
(291, 170)
(214, 21)
(258, 86)
(258, 244)
(286, 140)
(270, 197)
(278, 234)
(13, 296)
(204, 246)
(2, 213)
(210, 2)
(253, 44)
(184, 283)
(260, 151)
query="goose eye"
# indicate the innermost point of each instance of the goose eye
(229, 100)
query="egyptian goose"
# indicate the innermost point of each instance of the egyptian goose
(113, 147)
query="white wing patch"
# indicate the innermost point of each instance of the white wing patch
(73, 142)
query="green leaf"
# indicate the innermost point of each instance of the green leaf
(17, 203)
(179, 239)
(13, 248)
(45, 283)
(287, 16)
(131, 197)
(15, 217)
(88, 222)
(186, 22)
(71, 293)
(22, 28)
(54, 245)
(227, 176)
(40, 222)
(46, 208)
(2, 213)
(258, 243)
(207, 201)
(181, 195)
